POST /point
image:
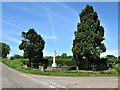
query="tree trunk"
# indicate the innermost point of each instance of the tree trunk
(30, 63)
(37, 65)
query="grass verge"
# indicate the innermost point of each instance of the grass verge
(17, 65)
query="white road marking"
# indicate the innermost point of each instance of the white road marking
(51, 86)
(38, 81)
(53, 83)
(57, 85)
(45, 83)
(61, 86)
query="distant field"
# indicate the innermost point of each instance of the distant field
(17, 65)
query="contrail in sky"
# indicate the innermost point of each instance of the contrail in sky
(11, 24)
(8, 36)
(53, 32)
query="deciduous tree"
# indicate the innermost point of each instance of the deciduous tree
(4, 49)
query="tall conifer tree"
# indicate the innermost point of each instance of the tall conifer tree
(88, 43)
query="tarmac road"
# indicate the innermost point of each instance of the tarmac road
(15, 79)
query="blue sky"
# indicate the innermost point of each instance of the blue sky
(56, 22)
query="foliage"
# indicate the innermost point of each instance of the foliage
(88, 45)
(113, 60)
(4, 49)
(111, 56)
(113, 63)
(64, 55)
(118, 57)
(102, 64)
(16, 56)
(17, 65)
(58, 57)
(70, 57)
(62, 62)
(32, 45)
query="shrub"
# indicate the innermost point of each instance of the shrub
(16, 56)
(62, 62)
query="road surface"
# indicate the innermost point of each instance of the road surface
(15, 79)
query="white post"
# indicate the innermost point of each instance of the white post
(54, 64)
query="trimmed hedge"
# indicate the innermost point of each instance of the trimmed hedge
(62, 62)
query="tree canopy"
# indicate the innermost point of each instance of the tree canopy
(111, 56)
(88, 43)
(16, 56)
(118, 57)
(32, 45)
(64, 55)
(4, 49)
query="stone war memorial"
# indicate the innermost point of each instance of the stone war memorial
(54, 63)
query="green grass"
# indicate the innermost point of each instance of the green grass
(17, 65)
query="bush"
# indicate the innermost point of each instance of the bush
(62, 62)
(117, 68)
(112, 71)
(16, 56)
(17, 63)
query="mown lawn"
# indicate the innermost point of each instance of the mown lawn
(17, 65)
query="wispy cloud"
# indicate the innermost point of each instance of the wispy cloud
(50, 37)
(10, 38)
(53, 32)
(12, 33)
(62, 17)
(8, 35)
(15, 50)
(19, 28)
(68, 8)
